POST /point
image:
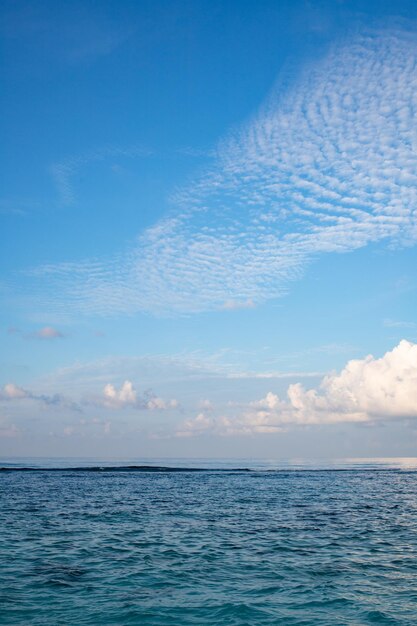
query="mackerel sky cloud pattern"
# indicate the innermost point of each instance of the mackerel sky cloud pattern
(329, 166)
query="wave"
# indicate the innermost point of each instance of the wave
(123, 468)
(222, 470)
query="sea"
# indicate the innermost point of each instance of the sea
(218, 542)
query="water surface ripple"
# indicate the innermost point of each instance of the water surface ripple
(213, 547)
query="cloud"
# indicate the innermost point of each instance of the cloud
(64, 171)
(232, 305)
(77, 34)
(388, 323)
(326, 166)
(185, 371)
(126, 396)
(12, 392)
(206, 405)
(47, 332)
(197, 426)
(366, 390)
(155, 403)
(7, 429)
(277, 375)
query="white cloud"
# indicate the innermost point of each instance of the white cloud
(365, 390)
(328, 166)
(127, 396)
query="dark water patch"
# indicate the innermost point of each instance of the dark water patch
(367, 473)
(125, 468)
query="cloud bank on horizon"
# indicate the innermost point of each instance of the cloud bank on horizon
(329, 166)
(369, 390)
(366, 390)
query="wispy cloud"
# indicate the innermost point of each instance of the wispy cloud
(177, 370)
(12, 207)
(366, 390)
(12, 392)
(47, 332)
(326, 167)
(63, 171)
(77, 34)
(388, 323)
(111, 398)
(8, 429)
(233, 305)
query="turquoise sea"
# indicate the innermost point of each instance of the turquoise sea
(219, 543)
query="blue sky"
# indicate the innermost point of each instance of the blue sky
(208, 226)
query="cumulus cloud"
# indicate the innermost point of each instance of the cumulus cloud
(327, 166)
(127, 396)
(366, 390)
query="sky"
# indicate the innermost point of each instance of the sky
(208, 229)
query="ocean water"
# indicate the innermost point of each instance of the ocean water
(301, 543)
